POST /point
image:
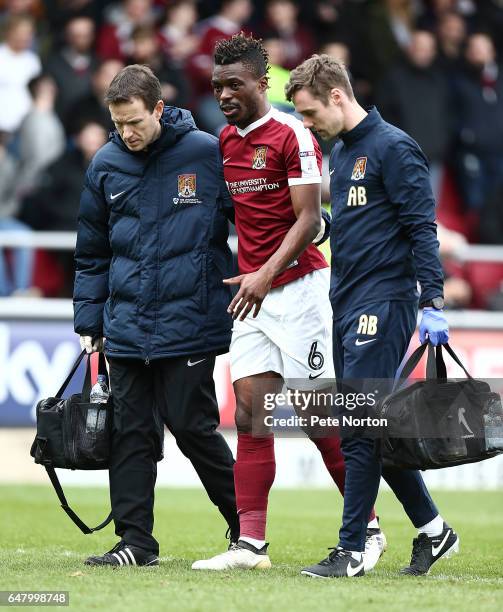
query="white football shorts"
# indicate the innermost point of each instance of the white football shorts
(292, 334)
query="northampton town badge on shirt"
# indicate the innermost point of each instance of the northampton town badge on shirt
(259, 158)
(187, 185)
(359, 169)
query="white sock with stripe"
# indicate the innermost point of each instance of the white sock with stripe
(257, 543)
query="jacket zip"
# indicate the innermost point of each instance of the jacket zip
(154, 160)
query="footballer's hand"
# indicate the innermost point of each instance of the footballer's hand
(90, 345)
(252, 291)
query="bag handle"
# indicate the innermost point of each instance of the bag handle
(70, 375)
(439, 370)
(86, 389)
(448, 348)
(435, 365)
(410, 365)
(64, 504)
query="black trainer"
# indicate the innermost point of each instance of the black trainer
(426, 550)
(340, 563)
(123, 554)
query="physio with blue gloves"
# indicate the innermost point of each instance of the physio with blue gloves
(384, 246)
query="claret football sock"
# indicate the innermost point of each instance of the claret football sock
(254, 473)
(330, 449)
(433, 528)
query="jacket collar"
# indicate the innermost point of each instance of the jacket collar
(367, 124)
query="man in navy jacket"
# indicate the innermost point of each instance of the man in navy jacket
(151, 255)
(383, 241)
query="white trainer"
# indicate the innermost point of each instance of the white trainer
(239, 556)
(375, 545)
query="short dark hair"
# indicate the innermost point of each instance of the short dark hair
(245, 49)
(319, 75)
(135, 81)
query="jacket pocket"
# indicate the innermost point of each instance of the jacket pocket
(204, 282)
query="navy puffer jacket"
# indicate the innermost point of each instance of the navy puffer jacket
(152, 246)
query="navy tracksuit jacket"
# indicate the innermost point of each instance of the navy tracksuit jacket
(383, 241)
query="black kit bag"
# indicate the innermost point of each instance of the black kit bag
(74, 434)
(439, 422)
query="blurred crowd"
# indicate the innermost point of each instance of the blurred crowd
(430, 66)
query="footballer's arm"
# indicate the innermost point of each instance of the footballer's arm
(255, 286)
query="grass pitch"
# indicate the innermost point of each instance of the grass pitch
(40, 549)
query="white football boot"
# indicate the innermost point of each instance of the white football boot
(239, 556)
(375, 545)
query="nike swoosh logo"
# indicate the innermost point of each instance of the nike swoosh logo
(225, 160)
(116, 195)
(352, 571)
(331, 172)
(360, 342)
(311, 377)
(436, 549)
(193, 363)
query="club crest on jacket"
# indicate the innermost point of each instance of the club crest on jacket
(359, 169)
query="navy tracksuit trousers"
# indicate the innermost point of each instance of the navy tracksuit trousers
(369, 343)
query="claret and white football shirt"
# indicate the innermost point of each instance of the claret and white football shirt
(261, 162)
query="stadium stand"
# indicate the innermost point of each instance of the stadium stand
(392, 47)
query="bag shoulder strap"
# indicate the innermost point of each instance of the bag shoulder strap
(64, 504)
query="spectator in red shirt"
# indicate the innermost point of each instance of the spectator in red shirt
(114, 38)
(228, 21)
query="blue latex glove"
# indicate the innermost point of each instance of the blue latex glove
(324, 232)
(433, 327)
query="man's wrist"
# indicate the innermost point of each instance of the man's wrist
(436, 303)
(268, 272)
